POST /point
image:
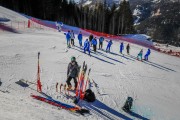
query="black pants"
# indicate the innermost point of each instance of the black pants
(100, 45)
(127, 51)
(69, 81)
(94, 48)
(72, 42)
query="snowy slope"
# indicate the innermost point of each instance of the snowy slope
(153, 85)
(13, 16)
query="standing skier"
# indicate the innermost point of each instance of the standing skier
(87, 46)
(72, 73)
(128, 48)
(94, 43)
(139, 57)
(101, 39)
(90, 38)
(68, 37)
(121, 47)
(109, 46)
(58, 25)
(72, 38)
(147, 54)
(80, 37)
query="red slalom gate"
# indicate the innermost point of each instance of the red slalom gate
(39, 86)
(29, 24)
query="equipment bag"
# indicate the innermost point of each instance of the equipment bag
(128, 104)
(89, 96)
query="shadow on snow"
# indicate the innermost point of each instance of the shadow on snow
(106, 112)
(94, 57)
(99, 53)
(155, 65)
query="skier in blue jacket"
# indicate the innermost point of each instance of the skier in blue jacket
(94, 43)
(147, 54)
(80, 37)
(68, 37)
(87, 46)
(121, 47)
(101, 39)
(109, 46)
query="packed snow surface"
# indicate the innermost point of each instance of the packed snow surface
(154, 85)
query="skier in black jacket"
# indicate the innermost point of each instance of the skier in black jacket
(128, 48)
(91, 38)
(72, 72)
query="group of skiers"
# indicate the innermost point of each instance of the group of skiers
(146, 56)
(92, 42)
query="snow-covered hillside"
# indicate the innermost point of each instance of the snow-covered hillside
(153, 85)
(93, 2)
(6, 13)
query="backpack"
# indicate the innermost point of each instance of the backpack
(89, 96)
(128, 104)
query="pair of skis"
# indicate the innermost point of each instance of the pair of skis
(81, 87)
(71, 108)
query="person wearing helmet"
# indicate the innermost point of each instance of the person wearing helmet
(139, 57)
(128, 48)
(80, 37)
(147, 54)
(101, 39)
(94, 43)
(72, 73)
(72, 37)
(68, 37)
(91, 38)
(109, 46)
(87, 47)
(121, 47)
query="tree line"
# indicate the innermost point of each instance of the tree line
(115, 20)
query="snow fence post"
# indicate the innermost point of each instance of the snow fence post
(29, 24)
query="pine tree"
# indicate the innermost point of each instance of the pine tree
(101, 18)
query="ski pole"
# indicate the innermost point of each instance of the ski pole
(61, 87)
(65, 88)
(57, 87)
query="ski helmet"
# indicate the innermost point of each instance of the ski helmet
(73, 58)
